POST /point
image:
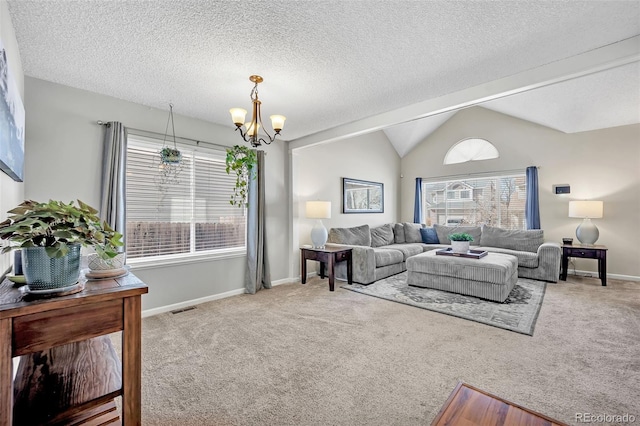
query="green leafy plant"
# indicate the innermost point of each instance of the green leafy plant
(170, 155)
(460, 236)
(55, 225)
(241, 160)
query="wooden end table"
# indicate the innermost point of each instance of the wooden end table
(468, 405)
(33, 327)
(586, 252)
(328, 256)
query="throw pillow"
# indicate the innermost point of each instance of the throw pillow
(412, 232)
(429, 236)
(398, 233)
(444, 232)
(519, 240)
(356, 236)
(382, 235)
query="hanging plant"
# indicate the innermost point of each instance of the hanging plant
(241, 160)
(170, 155)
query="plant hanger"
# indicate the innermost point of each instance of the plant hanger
(170, 155)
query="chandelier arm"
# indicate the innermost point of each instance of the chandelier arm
(243, 134)
(264, 129)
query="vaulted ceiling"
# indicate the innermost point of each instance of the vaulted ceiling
(329, 64)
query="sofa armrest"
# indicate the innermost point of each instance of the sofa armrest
(364, 263)
(549, 258)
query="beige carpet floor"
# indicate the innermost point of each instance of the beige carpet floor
(301, 355)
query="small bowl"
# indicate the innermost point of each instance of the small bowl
(96, 263)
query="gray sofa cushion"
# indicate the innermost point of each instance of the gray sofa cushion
(356, 236)
(386, 256)
(407, 249)
(412, 232)
(444, 232)
(398, 233)
(382, 235)
(515, 240)
(525, 258)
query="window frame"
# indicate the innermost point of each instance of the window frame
(149, 139)
(446, 183)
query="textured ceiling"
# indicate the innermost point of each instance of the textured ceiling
(325, 63)
(606, 99)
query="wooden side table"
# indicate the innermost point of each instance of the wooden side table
(32, 328)
(468, 405)
(328, 256)
(585, 252)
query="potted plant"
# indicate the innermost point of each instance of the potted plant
(50, 236)
(241, 160)
(170, 155)
(460, 242)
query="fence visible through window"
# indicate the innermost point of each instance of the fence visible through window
(187, 214)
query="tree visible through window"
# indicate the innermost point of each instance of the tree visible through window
(496, 201)
(184, 215)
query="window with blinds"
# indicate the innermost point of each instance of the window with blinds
(493, 200)
(183, 209)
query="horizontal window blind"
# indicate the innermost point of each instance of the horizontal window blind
(179, 209)
(495, 201)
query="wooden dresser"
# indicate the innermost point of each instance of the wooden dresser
(69, 372)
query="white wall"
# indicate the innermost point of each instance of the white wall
(63, 161)
(601, 165)
(317, 173)
(11, 192)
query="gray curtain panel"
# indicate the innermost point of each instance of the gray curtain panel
(257, 275)
(114, 160)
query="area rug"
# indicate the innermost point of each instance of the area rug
(518, 313)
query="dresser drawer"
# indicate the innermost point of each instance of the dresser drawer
(586, 253)
(343, 256)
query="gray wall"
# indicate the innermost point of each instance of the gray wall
(601, 165)
(317, 171)
(11, 192)
(63, 161)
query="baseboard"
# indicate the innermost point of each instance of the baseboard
(594, 274)
(193, 302)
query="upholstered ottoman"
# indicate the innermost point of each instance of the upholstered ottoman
(490, 277)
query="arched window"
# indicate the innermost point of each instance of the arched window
(472, 149)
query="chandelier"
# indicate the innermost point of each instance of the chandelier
(250, 132)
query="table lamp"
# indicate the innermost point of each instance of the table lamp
(318, 210)
(586, 232)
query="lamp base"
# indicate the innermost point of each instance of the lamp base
(319, 235)
(587, 232)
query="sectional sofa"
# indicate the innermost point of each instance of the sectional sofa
(382, 251)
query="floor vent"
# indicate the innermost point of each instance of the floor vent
(178, 311)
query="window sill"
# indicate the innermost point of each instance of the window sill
(161, 261)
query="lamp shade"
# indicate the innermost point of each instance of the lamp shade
(277, 122)
(318, 209)
(586, 209)
(238, 115)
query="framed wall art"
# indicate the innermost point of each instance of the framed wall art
(361, 196)
(11, 122)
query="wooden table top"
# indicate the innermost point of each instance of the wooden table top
(14, 301)
(468, 405)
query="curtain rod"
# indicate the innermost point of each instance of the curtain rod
(147, 133)
(471, 175)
